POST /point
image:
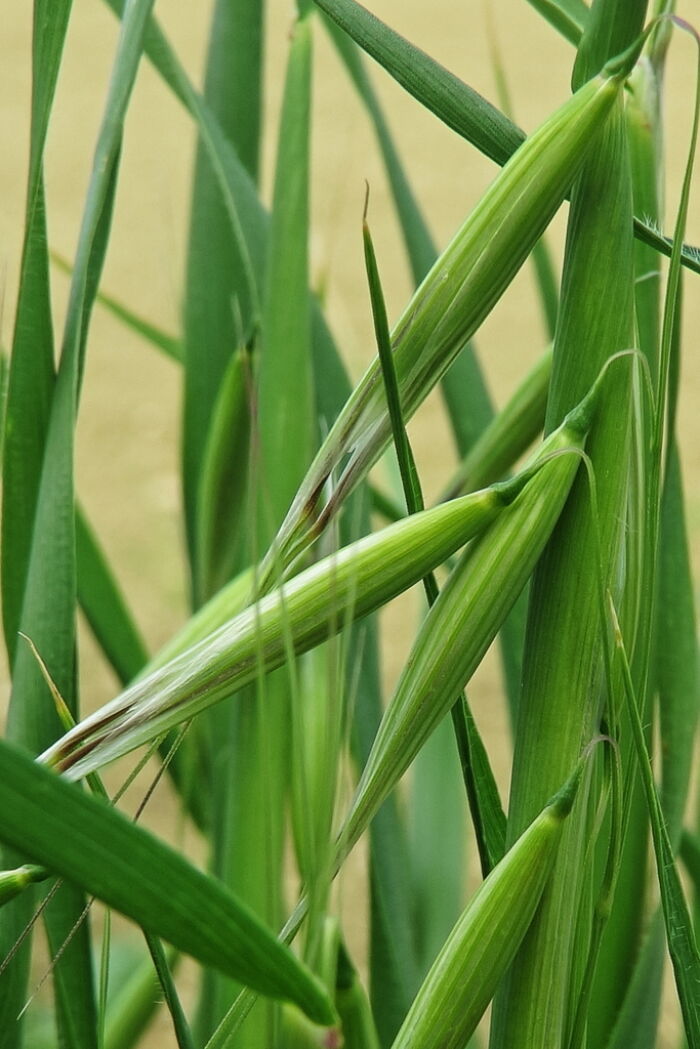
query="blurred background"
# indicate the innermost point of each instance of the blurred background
(128, 432)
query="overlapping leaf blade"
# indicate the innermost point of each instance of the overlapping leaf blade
(89, 843)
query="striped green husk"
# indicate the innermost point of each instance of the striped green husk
(456, 295)
(465, 619)
(307, 609)
(464, 976)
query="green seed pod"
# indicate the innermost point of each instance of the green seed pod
(465, 619)
(455, 297)
(307, 609)
(466, 972)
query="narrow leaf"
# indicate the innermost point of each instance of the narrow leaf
(679, 926)
(285, 391)
(133, 1005)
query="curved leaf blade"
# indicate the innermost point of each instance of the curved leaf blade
(94, 846)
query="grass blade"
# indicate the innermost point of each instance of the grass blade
(166, 984)
(569, 17)
(679, 926)
(48, 618)
(463, 387)
(437, 892)
(356, 1018)
(285, 424)
(223, 479)
(623, 939)
(508, 436)
(314, 603)
(393, 973)
(561, 697)
(420, 248)
(463, 622)
(92, 845)
(31, 372)
(547, 282)
(636, 1023)
(407, 465)
(248, 849)
(218, 310)
(480, 262)
(133, 1006)
(481, 788)
(453, 101)
(461, 983)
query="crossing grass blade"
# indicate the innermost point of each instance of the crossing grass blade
(481, 784)
(453, 101)
(94, 846)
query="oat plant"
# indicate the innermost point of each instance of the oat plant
(562, 534)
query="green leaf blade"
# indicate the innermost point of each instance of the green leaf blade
(94, 846)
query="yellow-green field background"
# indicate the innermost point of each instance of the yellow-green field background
(128, 434)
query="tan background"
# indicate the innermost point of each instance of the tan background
(129, 424)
